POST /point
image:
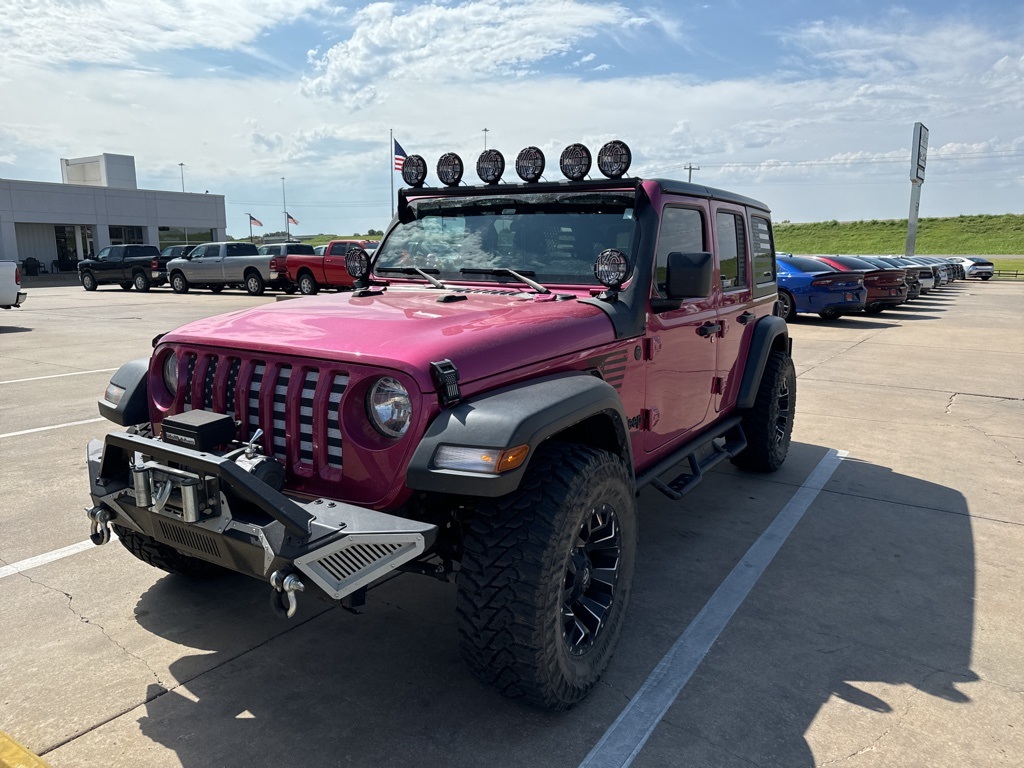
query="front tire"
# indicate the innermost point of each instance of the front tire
(89, 281)
(254, 284)
(142, 283)
(308, 285)
(769, 425)
(152, 552)
(546, 575)
(179, 283)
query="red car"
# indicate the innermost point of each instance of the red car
(887, 288)
(311, 272)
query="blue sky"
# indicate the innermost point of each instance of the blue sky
(807, 106)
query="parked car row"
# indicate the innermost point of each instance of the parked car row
(216, 266)
(833, 286)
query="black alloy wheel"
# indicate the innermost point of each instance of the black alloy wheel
(591, 576)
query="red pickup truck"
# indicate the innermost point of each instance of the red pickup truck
(311, 272)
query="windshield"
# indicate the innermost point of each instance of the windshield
(552, 237)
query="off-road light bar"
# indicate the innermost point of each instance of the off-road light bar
(610, 268)
(530, 164)
(414, 171)
(450, 169)
(614, 158)
(575, 162)
(490, 165)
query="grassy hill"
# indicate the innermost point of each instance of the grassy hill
(989, 235)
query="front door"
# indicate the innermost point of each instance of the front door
(681, 357)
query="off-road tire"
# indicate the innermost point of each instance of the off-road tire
(523, 564)
(787, 306)
(179, 283)
(89, 281)
(308, 285)
(141, 281)
(254, 284)
(769, 424)
(152, 552)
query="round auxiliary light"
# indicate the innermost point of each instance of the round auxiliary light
(614, 158)
(414, 171)
(575, 162)
(450, 169)
(490, 166)
(610, 268)
(357, 262)
(530, 164)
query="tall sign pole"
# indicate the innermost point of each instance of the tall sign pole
(917, 163)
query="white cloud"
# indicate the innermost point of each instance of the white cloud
(472, 41)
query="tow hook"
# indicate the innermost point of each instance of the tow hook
(99, 532)
(282, 598)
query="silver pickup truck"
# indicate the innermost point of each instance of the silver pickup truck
(11, 294)
(219, 265)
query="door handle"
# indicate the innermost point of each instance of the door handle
(708, 329)
(745, 318)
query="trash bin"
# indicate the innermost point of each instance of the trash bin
(32, 267)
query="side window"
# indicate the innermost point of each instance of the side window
(103, 255)
(764, 255)
(732, 250)
(197, 253)
(682, 230)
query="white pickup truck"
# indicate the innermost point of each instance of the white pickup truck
(11, 294)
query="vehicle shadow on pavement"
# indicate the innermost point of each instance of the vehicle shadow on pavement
(868, 604)
(13, 328)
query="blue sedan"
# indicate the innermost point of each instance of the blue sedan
(808, 285)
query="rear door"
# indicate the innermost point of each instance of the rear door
(680, 354)
(334, 264)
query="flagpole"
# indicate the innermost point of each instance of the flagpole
(284, 204)
(250, 226)
(391, 149)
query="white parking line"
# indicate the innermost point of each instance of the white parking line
(58, 375)
(49, 557)
(55, 426)
(625, 737)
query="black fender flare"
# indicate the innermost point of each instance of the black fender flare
(769, 333)
(525, 413)
(133, 406)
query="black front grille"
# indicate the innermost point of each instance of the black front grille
(298, 407)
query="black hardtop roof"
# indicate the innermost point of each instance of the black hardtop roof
(669, 186)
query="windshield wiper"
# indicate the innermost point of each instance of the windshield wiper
(506, 272)
(424, 273)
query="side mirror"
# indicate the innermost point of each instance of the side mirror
(688, 275)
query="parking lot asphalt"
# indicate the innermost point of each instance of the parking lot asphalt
(885, 631)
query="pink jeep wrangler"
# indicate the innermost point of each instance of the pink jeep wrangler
(515, 363)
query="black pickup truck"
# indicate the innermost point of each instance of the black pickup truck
(126, 265)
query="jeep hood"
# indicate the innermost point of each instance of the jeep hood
(407, 329)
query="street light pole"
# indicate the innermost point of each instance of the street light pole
(182, 167)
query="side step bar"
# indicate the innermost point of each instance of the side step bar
(700, 455)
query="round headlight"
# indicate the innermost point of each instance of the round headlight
(530, 164)
(170, 372)
(614, 158)
(450, 169)
(610, 268)
(575, 162)
(490, 166)
(389, 407)
(357, 262)
(414, 171)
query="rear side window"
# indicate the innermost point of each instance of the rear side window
(305, 250)
(682, 231)
(732, 250)
(764, 255)
(242, 249)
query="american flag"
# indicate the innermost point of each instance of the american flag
(400, 156)
(254, 220)
(291, 219)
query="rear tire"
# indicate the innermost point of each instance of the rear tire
(89, 281)
(126, 285)
(769, 425)
(142, 283)
(152, 552)
(873, 309)
(546, 575)
(254, 284)
(308, 285)
(179, 283)
(986, 277)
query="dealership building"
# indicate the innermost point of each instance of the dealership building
(98, 204)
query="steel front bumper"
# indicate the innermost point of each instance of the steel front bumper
(210, 507)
